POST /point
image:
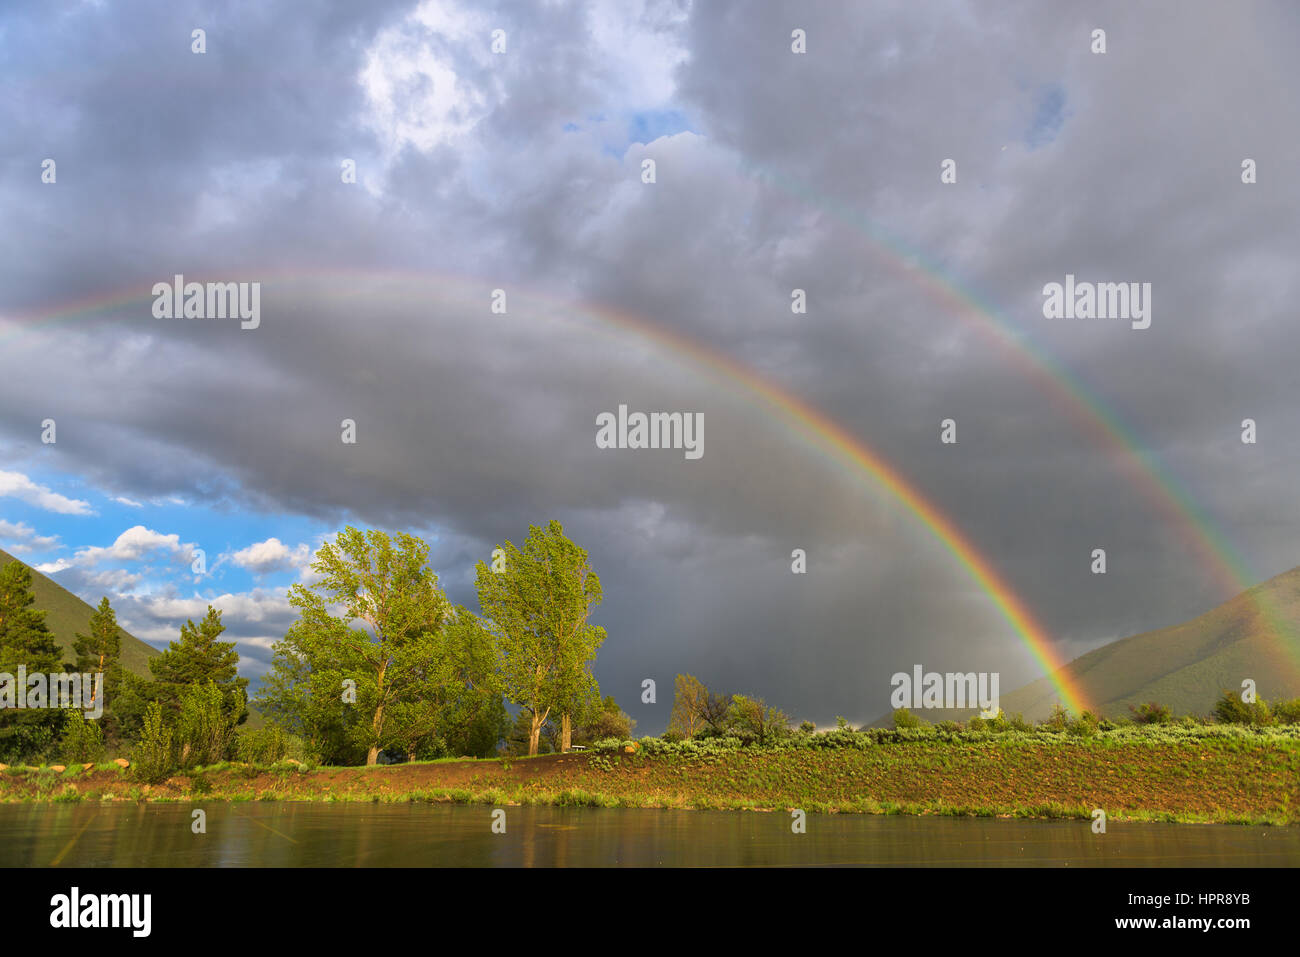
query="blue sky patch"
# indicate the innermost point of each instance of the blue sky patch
(1050, 115)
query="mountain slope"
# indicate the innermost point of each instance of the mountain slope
(66, 614)
(1187, 666)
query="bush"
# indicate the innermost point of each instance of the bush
(1230, 709)
(268, 745)
(673, 737)
(154, 759)
(1059, 720)
(204, 730)
(807, 727)
(905, 719)
(1287, 712)
(1151, 713)
(82, 740)
(1086, 725)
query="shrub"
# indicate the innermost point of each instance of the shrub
(673, 737)
(269, 744)
(905, 719)
(1059, 719)
(1086, 725)
(82, 740)
(1230, 709)
(1151, 712)
(204, 729)
(154, 759)
(1287, 712)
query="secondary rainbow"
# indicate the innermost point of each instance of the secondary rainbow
(1217, 555)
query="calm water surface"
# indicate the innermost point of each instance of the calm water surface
(424, 835)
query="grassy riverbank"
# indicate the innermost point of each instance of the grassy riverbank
(1204, 774)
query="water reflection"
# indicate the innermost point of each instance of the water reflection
(423, 835)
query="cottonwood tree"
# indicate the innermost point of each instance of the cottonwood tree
(714, 711)
(304, 690)
(577, 695)
(537, 611)
(752, 718)
(387, 637)
(453, 684)
(689, 695)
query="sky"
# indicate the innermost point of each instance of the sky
(522, 170)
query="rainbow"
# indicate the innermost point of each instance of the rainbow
(1088, 410)
(807, 424)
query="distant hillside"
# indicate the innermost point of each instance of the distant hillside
(66, 614)
(1187, 666)
(1184, 667)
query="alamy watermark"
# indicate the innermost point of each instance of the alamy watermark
(653, 430)
(179, 299)
(930, 689)
(1103, 300)
(57, 689)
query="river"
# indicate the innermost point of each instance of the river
(282, 834)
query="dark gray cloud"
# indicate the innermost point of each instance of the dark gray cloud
(818, 171)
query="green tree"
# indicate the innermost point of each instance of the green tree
(473, 716)
(197, 658)
(537, 610)
(689, 697)
(100, 652)
(306, 690)
(25, 641)
(520, 740)
(610, 721)
(752, 718)
(386, 640)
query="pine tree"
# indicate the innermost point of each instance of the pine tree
(198, 657)
(25, 641)
(99, 653)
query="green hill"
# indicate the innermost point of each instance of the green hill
(66, 614)
(1187, 666)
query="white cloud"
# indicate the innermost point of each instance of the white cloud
(21, 539)
(136, 542)
(270, 555)
(123, 500)
(117, 579)
(415, 95)
(25, 490)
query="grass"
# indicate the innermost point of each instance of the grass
(1168, 773)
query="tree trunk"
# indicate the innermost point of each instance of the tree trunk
(536, 730)
(566, 732)
(92, 682)
(377, 725)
